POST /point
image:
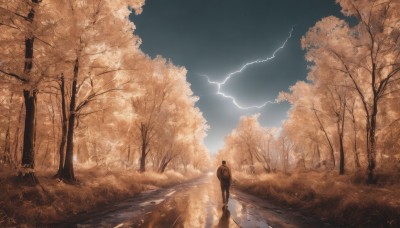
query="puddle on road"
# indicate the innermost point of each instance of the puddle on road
(154, 202)
(195, 205)
(244, 215)
(170, 194)
(118, 214)
(201, 206)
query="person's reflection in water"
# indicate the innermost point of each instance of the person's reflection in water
(225, 217)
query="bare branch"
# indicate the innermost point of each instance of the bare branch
(20, 78)
(16, 14)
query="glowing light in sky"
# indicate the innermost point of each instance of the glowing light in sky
(230, 75)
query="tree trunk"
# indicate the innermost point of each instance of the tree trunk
(129, 153)
(28, 148)
(341, 165)
(317, 154)
(16, 137)
(7, 151)
(372, 147)
(266, 166)
(143, 157)
(251, 154)
(355, 147)
(96, 155)
(145, 142)
(7, 159)
(284, 156)
(327, 139)
(356, 158)
(162, 170)
(53, 124)
(68, 170)
(63, 128)
(268, 158)
(47, 150)
(164, 165)
(341, 134)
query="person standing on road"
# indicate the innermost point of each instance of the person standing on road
(225, 178)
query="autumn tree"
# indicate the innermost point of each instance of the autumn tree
(25, 38)
(11, 109)
(166, 120)
(86, 69)
(253, 147)
(184, 129)
(99, 32)
(308, 123)
(367, 54)
(148, 104)
(333, 99)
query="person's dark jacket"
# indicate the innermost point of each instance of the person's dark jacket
(220, 176)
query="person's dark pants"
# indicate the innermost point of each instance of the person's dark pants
(225, 191)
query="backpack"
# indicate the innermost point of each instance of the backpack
(225, 174)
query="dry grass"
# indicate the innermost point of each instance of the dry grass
(344, 200)
(53, 200)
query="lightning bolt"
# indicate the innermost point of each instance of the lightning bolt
(230, 75)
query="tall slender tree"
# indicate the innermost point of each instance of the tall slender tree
(367, 54)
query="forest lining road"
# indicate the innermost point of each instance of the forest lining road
(193, 204)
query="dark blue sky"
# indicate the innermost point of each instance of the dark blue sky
(216, 37)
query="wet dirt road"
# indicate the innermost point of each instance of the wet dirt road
(194, 204)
